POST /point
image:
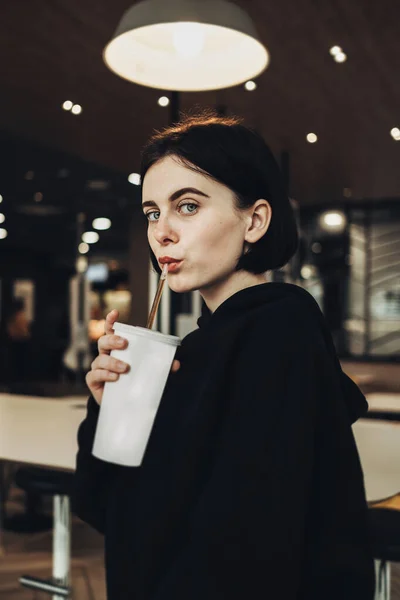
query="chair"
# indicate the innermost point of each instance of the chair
(32, 520)
(378, 444)
(40, 481)
(384, 524)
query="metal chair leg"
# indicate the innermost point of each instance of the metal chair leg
(58, 586)
(382, 577)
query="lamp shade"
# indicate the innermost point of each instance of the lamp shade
(186, 45)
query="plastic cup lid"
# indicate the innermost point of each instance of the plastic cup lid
(143, 331)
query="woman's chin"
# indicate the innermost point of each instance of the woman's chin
(180, 289)
(179, 286)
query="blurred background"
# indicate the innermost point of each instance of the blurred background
(72, 239)
(70, 138)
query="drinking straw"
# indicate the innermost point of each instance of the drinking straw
(157, 297)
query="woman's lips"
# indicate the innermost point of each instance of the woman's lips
(174, 266)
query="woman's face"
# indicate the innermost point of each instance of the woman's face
(191, 218)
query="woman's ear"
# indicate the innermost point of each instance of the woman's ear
(259, 219)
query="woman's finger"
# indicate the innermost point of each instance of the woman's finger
(176, 365)
(111, 342)
(110, 320)
(100, 376)
(105, 361)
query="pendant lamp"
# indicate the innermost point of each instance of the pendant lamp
(186, 45)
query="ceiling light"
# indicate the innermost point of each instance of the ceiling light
(1, 198)
(2, 218)
(163, 101)
(3, 233)
(76, 109)
(335, 50)
(311, 138)
(184, 45)
(67, 105)
(134, 178)
(395, 133)
(250, 86)
(90, 237)
(83, 248)
(188, 39)
(101, 223)
(307, 271)
(333, 221)
(340, 57)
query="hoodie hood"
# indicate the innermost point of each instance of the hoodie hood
(246, 300)
(253, 297)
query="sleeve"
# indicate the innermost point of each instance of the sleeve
(93, 477)
(247, 527)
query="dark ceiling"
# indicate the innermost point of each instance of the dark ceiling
(52, 51)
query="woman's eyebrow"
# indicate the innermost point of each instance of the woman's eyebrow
(176, 195)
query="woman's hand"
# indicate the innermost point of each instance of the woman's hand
(105, 367)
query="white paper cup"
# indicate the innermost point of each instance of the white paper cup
(130, 404)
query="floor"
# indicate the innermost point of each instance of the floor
(30, 554)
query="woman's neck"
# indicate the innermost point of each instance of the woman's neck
(216, 294)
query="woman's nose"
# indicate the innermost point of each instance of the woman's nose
(163, 230)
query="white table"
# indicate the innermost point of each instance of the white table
(39, 431)
(43, 431)
(384, 402)
(378, 444)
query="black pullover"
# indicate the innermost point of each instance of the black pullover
(251, 485)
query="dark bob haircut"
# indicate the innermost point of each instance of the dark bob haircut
(236, 156)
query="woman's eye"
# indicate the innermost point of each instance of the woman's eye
(148, 215)
(192, 206)
(189, 204)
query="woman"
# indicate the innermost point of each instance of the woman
(251, 485)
